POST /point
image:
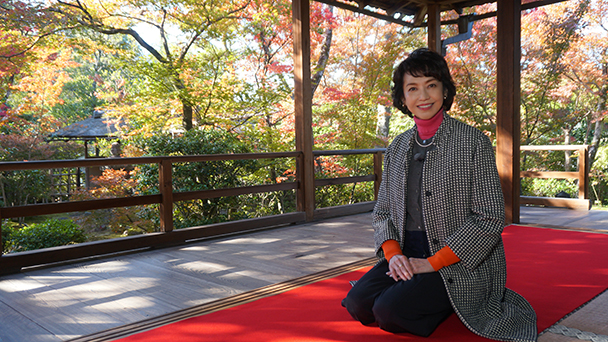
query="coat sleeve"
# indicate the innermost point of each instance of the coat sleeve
(384, 228)
(481, 232)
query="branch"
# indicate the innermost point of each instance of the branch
(136, 36)
(37, 40)
(199, 32)
(89, 21)
(163, 36)
(585, 84)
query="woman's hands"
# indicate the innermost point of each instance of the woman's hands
(401, 267)
(421, 265)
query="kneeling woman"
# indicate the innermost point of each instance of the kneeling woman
(438, 222)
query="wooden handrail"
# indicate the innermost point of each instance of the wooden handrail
(582, 174)
(59, 164)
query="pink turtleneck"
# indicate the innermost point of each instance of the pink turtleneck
(428, 128)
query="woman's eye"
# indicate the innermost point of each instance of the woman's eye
(411, 89)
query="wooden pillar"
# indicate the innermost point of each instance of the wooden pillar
(1, 233)
(378, 158)
(303, 106)
(583, 172)
(508, 129)
(165, 175)
(434, 28)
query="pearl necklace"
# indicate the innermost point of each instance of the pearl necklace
(423, 146)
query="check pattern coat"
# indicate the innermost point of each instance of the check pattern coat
(463, 207)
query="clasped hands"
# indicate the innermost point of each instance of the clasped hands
(404, 268)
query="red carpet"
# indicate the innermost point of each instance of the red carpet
(555, 270)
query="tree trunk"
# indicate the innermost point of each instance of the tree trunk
(323, 58)
(595, 142)
(187, 115)
(567, 154)
(599, 124)
(383, 123)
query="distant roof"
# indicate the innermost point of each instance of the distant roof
(92, 128)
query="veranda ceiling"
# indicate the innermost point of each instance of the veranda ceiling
(412, 13)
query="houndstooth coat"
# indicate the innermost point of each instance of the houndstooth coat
(463, 207)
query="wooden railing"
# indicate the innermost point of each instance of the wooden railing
(582, 174)
(166, 197)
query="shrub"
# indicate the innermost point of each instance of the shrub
(599, 177)
(195, 176)
(49, 233)
(7, 230)
(548, 187)
(113, 183)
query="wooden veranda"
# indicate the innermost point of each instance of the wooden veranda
(102, 299)
(410, 13)
(109, 298)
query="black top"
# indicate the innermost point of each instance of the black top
(416, 242)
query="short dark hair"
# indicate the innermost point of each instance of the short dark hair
(423, 62)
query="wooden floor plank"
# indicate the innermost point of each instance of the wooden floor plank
(15, 326)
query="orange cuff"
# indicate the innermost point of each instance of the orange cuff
(391, 248)
(445, 257)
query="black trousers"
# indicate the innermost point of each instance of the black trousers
(416, 306)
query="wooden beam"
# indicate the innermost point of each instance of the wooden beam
(570, 203)
(166, 192)
(583, 172)
(508, 128)
(434, 28)
(378, 158)
(303, 106)
(344, 210)
(550, 174)
(1, 249)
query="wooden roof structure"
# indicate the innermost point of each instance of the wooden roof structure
(424, 13)
(412, 13)
(95, 127)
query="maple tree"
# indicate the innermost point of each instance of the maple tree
(360, 67)
(473, 67)
(180, 29)
(586, 83)
(114, 182)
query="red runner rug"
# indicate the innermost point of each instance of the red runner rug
(556, 270)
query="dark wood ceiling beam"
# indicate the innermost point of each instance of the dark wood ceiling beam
(402, 13)
(524, 7)
(391, 11)
(367, 12)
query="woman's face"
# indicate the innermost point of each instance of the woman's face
(423, 95)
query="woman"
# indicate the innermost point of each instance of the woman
(438, 222)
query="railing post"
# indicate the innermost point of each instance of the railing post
(377, 173)
(1, 249)
(166, 192)
(583, 172)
